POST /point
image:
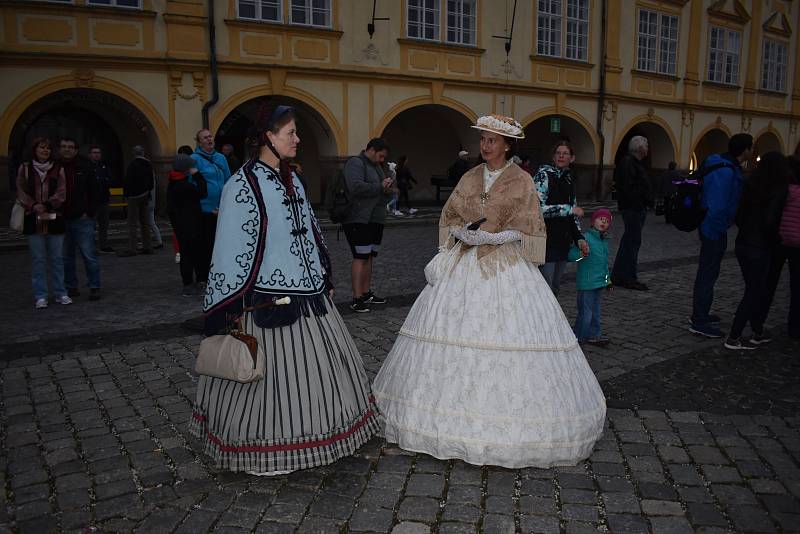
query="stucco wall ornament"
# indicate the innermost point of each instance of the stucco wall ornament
(793, 128)
(747, 123)
(370, 54)
(507, 69)
(176, 86)
(83, 77)
(687, 117)
(651, 113)
(610, 110)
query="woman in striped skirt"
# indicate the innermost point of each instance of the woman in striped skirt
(314, 404)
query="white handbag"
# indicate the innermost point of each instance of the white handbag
(236, 355)
(440, 265)
(17, 222)
(232, 356)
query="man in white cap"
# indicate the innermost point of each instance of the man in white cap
(461, 165)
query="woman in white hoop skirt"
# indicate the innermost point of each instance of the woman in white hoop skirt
(486, 367)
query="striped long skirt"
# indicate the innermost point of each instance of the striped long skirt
(313, 407)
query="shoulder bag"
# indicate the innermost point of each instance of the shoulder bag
(235, 355)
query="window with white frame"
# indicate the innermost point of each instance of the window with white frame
(137, 4)
(657, 42)
(560, 33)
(266, 10)
(423, 19)
(461, 22)
(311, 12)
(774, 65)
(723, 55)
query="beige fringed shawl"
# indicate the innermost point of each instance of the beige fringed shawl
(512, 204)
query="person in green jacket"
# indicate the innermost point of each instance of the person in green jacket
(592, 279)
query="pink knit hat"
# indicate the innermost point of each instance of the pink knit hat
(602, 212)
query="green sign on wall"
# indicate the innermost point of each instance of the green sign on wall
(555, 125)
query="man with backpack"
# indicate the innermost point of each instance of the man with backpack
(721, 179)
(363, 223)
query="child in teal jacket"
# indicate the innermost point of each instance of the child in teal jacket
(592, 279)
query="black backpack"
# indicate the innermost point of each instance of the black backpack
(685, 205)
(339, 203)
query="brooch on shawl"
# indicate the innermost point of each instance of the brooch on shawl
(484, 197)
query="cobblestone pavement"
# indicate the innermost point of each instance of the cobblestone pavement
(95, 400)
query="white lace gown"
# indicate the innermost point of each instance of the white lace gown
(486, 369)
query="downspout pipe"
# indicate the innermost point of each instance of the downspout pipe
(212, 43)
(601, 98)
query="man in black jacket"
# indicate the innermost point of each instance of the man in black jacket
(633, 198)
(138, 182)
(79, 217)
(103, 176)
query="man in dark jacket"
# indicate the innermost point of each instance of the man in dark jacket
(103, 176)
(79, 216)
(137, 185)
(457, 169)
(365, 184)
(721, 191)
(633, 199)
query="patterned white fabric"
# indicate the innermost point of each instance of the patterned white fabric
(479, 237)
(486, 368)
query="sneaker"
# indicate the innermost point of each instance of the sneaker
(760, 339)
(359, 305)
(177, 257)
(707, 330)
(94, 293)
(599, 341)
(189, 290)
(412, 211)
(63, 299)
(389, 207)
(106, 250)
(739, 344)
(74, 292)
(712, 319)
(398, 213)
(40, 304)
(372, 298)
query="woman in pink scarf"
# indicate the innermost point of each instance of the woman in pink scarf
(41, 189)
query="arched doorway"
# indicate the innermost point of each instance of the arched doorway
(660, 154)
(766, 142)
(89, 116)
(317, 153)
(430, 136)
(540, 138)
(714, 141)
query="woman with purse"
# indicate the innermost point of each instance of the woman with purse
(313, 404)
(41, 190)
(486, 367)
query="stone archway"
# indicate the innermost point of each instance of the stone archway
(90, 116)
(539, 140)
(317, 153)
(767, 142)
(714, 141)
(430, 136)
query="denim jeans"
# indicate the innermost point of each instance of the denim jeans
(711, 253)
(754, 263)
(779, 256)
(79, 234)
(46, 250)
(552, 272)
(587, 322)
(628, 251)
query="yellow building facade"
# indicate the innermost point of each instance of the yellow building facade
(687, 74)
